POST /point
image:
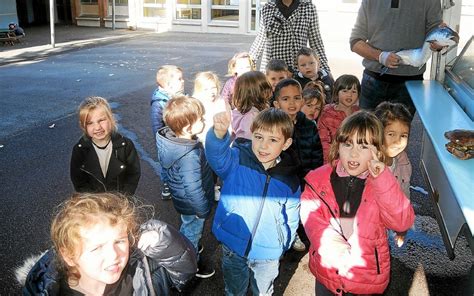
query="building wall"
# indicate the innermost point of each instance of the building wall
(7, 13)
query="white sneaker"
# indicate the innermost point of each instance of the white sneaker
(298, 245)
(217, 192)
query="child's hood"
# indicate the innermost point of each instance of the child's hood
(285, 170)
(171, 148)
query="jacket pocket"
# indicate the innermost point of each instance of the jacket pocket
(377, 260)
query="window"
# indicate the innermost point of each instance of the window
(225, 10)
(154, 8)
(119, 2)
(188, 9)
(89, 2)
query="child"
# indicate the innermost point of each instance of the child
(103, 160)
(94, 236)
(206, 90)
(314, 100)
(238, 65)
(257, 215)
(276, 70)
(308, 70)
(345, 97)
(169, 79)
(347, 206)
(185, 167)
(306, 143)
(16, 29)
(252, 93)
(396, 120)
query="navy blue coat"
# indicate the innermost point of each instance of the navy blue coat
(187, 173)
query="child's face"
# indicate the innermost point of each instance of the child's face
(289, 100)
(308, 66)
(242, 66)
(348, 97)
(105, 252)
(98, 125)
(355, 157)
(395, 138)
(274, 77)
(176, 84)
(209, 90)
(267, 146)
(312, 109)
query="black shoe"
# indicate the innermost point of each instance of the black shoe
(165, 192)
(204, 272)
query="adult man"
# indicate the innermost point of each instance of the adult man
(382, 28)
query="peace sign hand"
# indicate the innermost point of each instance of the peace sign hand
(375, 166)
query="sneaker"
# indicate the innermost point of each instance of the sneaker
(217, 192)
(298, 245)
(165, 192)
(204, 272)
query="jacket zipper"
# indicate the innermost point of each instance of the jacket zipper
(259, 215)
(377, 260)
(89, 173)
(118, 180)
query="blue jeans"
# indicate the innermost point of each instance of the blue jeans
(239, 270)
(191, 228)
(373, 92)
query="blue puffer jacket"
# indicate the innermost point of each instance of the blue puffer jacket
(158, 102)
(187, 173)
(258, 212)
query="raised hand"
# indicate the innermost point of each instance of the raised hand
(147, 239)
(222, 122)
(375, 166)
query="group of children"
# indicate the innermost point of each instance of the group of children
(284, 152)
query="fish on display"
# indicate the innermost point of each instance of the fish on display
(443, 36)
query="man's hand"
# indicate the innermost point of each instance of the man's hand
(375, 166)
(222, 122)
(389, 59)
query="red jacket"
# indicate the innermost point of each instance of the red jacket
(329, 121)
(361, 263)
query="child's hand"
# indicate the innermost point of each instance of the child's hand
(148, 238)
(222, 122)
(375, 166)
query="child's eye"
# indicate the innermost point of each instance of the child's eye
(274, 140)
(121, 241)
(257, 137)
(364, 146)
(346, 144)
(405, 136)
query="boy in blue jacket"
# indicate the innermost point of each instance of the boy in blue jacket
(258, 213)
(185, 168)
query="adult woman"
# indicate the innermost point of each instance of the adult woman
(285, 27)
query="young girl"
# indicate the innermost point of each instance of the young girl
(96, 251)
(239, 64)
(206, 90)
(345, 96)
(314, 99)
(103, 160)
(346, 208)
(396, 120)
(252, 94)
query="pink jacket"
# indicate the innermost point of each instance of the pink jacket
(361, 263)
(402, 171)
(329, 121)
(241, 123)
(228, 89)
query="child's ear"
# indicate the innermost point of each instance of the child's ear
(67, 257)
(276, 104)
(287, 144)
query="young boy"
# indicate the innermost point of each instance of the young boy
(276, 70)
(308, 70)
(258, 213)
(185, 168)
(169, 79)
(306, 142)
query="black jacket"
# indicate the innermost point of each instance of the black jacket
(123, 172)
(171, 262)
(307, 145)
(324, 77)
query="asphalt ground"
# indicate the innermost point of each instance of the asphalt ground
(41, 86)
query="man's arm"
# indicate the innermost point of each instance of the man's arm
(365, 50)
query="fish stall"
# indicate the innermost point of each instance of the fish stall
(445, 106)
